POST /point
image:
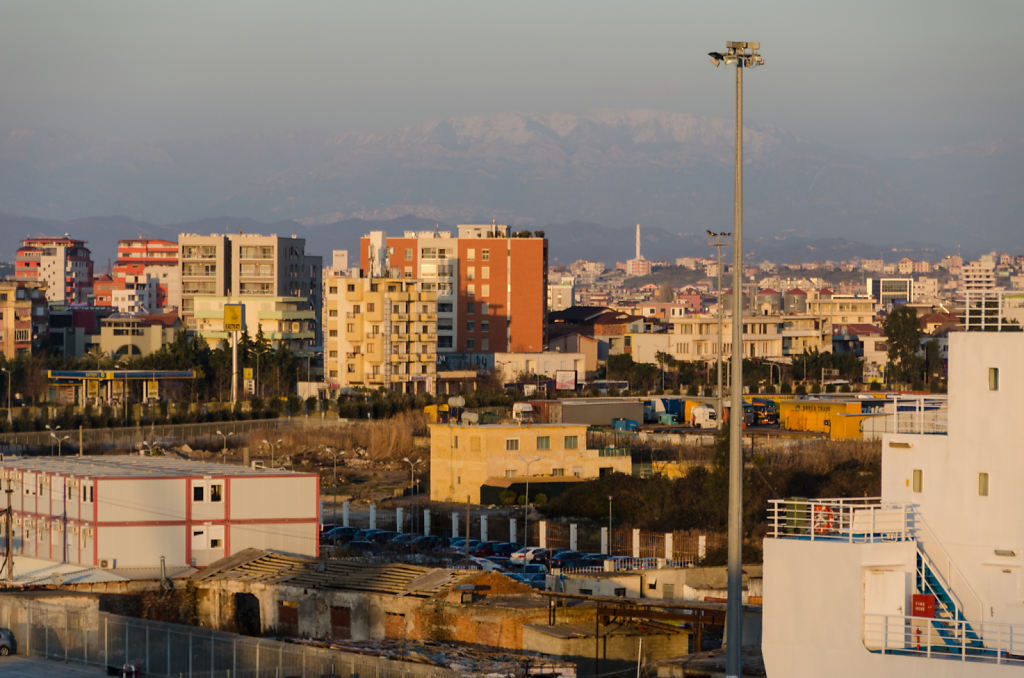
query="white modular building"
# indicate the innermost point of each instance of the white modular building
(128, 511)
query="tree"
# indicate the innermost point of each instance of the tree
(903, 336)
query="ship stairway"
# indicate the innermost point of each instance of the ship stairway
(955, 631)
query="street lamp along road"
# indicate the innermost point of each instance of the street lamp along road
(271, 445)
(526, 504)
(53, 435)
(224, 447)
(741, 55)
(59, 439)
(412, 486)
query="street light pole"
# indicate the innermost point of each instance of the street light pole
(224, 448)
(609, 524)
(271, 445)
(412, 488)
(739, 54)
(526, 504)
(53, 435)
(59, 439)
(718, 243)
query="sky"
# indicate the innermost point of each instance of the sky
(888, 77)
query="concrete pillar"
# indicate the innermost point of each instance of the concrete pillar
(483, 527)
(604, 540)
(542, 534)
(702, 547)
(373, 516)
(344, 514)
(426, 522)
(669, 550)
(512, 534)
(636, 542)
(455, 525)
(573, 539)
(399, 520)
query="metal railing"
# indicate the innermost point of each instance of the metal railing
(83, 635)
(966, 601)
(857, 520)
(920, 636)
(918, 415)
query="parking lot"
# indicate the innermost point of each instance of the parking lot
(18, 666)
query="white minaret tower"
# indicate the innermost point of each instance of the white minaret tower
(638, 241)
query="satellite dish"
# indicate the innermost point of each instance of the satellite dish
(456, 401)
(470, 417)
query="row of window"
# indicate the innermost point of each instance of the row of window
(543, 443)
(917, 482)
(576, 472)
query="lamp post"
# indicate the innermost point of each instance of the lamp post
(271, 445)
(742, 55)
(526, 504)
(224, 447)
(10, 416)
(59, 439)
(609, 524)
(718, 243)
(334, 459)
(53, 435)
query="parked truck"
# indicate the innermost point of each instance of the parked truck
(703, 416)
(620, 424)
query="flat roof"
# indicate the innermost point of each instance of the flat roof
(124, 465)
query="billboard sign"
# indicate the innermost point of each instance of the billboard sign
(233, 318)
(565, 380)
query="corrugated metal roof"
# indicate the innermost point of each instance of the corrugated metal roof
(269, 567)
(131, 466)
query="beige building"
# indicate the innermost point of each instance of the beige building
(842, 309)
(695, 337)
(137, 335)
(24, 315)
(464, 458)
(285, 321)
(380, 333)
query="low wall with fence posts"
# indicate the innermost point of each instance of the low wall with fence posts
(684, 548)
(79, 633)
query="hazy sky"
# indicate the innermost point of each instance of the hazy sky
(893, 75)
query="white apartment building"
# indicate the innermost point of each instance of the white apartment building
(978, 276)
(129, 511)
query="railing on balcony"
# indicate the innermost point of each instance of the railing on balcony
(923, 637)
(918, 414)
(851, 520)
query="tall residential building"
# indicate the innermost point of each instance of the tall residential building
(886, 291)
(249, 266)
(561, 292)
(285, 321)
(380, 333)
(63, 263)
(24, 317)
(978, 275)
(491, 285)
(143, 263)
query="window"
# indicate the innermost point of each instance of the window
(444, 307)
(558, 471)
(485, 290)
(216, 491)
(982, 484)
(543, 442)
(197, 493)
(571, 442)
(485, 325)
(470, 307)
(483, 307)
(485, 255)
(455, 444)
(918, 480)
(370, 308)
(485, 344)
(470, 273)
(510, 473)
(470, 344)
(993, 378)
(512, 444)
(485, 272)
(470, 326)
(408, 253)
(470, 254)
(351, 287)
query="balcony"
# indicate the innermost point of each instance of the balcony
(857, 520)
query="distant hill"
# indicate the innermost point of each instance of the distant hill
(670, 172)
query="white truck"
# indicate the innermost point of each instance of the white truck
(703, 416)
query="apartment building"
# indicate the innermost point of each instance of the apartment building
(130, 511)
(380, 333)
(695, 337)
(135, 334)
(479, 309)
(978, 276)
(463, 458)
(63, 263)
(888, 291)
(144, 279)
(24, 317)
(841, 310)
(249, 266)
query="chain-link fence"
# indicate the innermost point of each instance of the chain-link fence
(81, 634)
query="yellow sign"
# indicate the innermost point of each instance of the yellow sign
(247, 373)
(152, 388)
(92, 388)
(232, 317)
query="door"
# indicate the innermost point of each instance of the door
(885, 601)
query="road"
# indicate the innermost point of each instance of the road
(19, 666)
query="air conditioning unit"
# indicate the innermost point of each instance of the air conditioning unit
(107, 563)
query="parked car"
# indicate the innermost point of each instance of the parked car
(429, 542)
(360, 547)
(381, 537)
(506, 548)
(484, 549)
(338, 535)
(401, 541)
(566, 558)
(7, 644)
(529, 554)
(474, 563)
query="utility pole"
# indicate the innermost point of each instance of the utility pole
(9, 533)
(741, 55)
(718, 243)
